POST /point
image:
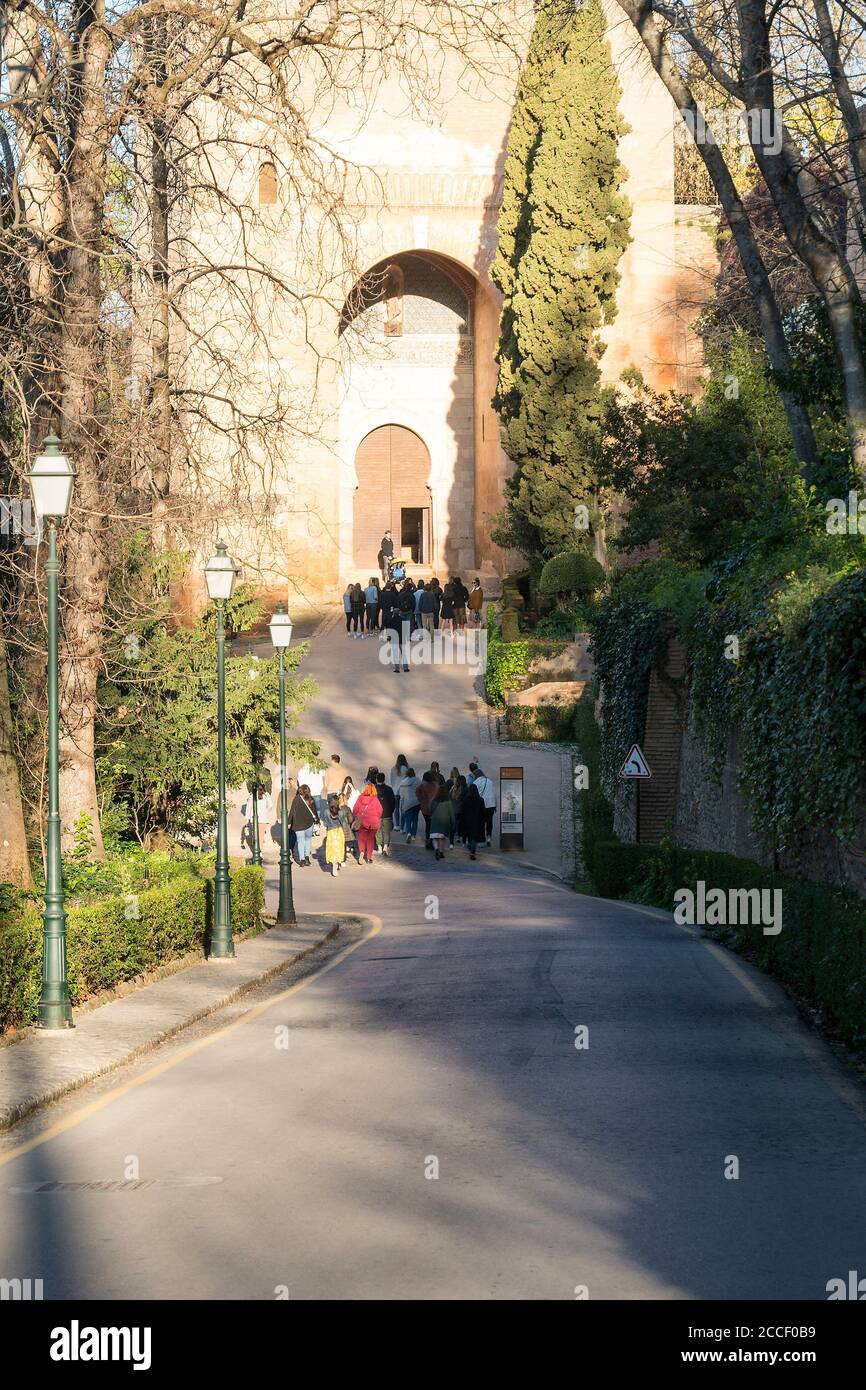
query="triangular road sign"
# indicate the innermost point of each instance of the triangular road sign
(635, 764)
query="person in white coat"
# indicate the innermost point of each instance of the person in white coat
(487, 792)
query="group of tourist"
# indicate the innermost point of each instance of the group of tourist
(385, 607)
(358, 823)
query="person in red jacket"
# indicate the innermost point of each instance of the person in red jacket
(367, 816)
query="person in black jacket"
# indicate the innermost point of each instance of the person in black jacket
(386, 554)
(405, 608)
(389, 801)
(471, 824)
(302, 818)
(461, 594)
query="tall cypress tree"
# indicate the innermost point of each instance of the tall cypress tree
(562, 229)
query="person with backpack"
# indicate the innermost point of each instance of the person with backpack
(404, 611)
(487, 793)
(366, 819)
(388, 800)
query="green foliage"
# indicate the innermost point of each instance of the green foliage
(563, 622)
(571, 572)
(695, 471)
(563, 227)
(507, 662)
(156, 736)
(113, 938)
(629, 638)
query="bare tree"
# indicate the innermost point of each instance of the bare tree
(129, 128)
(746, 48)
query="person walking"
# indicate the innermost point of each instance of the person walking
(347, 607)
(388, 800)
(387, 601)
(409, 803)
(366, 819)
(334, 778)
(404, 612)
(487, 793)
(442, 822)
(446, 615)
(314, 779)
(426, 608)
(436, 589)
(427, 793)
(461, 596)
(456, 786)
(348, 797)
(472, 820)
(395, 777)
(358, 611)
(475, 602)
(335, 820)
(303, 819)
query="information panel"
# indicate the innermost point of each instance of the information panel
(511, 808)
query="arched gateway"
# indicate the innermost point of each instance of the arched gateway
(393, 467)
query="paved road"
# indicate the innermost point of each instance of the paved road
(453, 1039)
(446, 1042)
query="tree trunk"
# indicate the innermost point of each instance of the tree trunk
(644, 21)
(85, 584)
(831, 273)
(14, 860)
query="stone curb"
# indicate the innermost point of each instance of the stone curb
(43, 1066)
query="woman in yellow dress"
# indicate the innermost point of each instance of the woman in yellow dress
(335, 820)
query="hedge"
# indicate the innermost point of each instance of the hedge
(117, 938)
(820, 953)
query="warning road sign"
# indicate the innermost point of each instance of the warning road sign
(635, 764)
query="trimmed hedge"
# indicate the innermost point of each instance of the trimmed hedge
(820, 953)
(116, 938)
(571, 572)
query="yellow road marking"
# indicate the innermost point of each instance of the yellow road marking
(94, 1106)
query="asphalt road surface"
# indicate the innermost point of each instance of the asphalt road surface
(416, 1122)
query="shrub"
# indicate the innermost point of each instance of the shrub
(571, 572)
(248, 897)
(550, 723)
(507, 664)
(107, 942)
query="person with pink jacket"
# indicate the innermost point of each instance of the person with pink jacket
(366, 819)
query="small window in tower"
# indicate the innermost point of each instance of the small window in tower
(267, 184)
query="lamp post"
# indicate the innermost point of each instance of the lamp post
(281, 636)
(51, 478)
(220, 575)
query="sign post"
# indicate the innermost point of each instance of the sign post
(511, 808)
(636, 766)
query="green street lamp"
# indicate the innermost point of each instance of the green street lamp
(220, 574)
(281, 636)
(50, 479)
